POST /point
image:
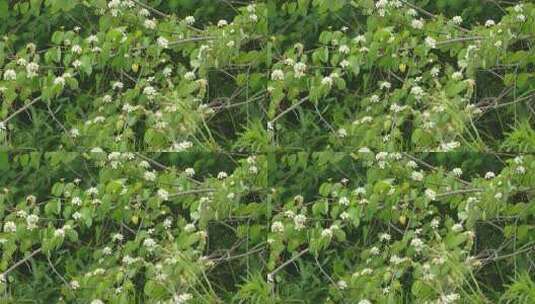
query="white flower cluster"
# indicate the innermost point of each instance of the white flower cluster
(182, 146)
(277, 227)
(277, 75)
(162, 42)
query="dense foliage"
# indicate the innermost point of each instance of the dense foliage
(297, 151)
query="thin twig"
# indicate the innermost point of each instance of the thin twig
(271, 274)
(289, 109)
(196, 191)
(429, 14)
(5, 273)
(150, 8)
(57, 273)
(173, 43)
(324, 272)
(26, 106)
(55, 119)
(416, 159)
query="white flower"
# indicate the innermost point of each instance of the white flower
(222, 175)
(344, 216)
(182, 298)
(117, 85)
(150, 24)
(450, 146)
(106, 251)
(59, 233)
(518, 8)
(457, 20)
(106, 98)
(385, 85)
(149, 176)
(375, 250)
(457, 228)
(430, 194)
(149, 243)
(74, 284)
(117, 237)
(431, 42)
(385, 237)
(277, 227)
(434, 71)
(76, 201)
(412, 164)
(299, 69)
(327, 233)
(520, 170)
(417, 23)
(32, 220)
(162, 42)
(74, 132)
(250, 8)
(167, 71)
(31, 69)
(417, 176)
(457, 172)
(417, 244)
(97, 301)
(182, 146)
(457, 75)
(167, 223)
(396, 259)
(76, 49)
(289, 214)
(163, 194)
(10, 226)
(450, 298)
(327, 81)
(341, 284)
(490, 23)
(344, 63)
(277, 75)
(344, 49)
(189, 172)
(76, 64)
(359, 191)
(189, 20)
(189, 227)
(144, 12)
(435, 223)
(417, 91)
(149, 91)
(365, 301)
(189, 75)
(490, 175)
(342, 132)
(222, 23)
(299, 221)
(10, 75)
(359, 39)
(77, 215)
(344, 201)
(92, 39)
(521, 17)
(113, 4)
(289, 61)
